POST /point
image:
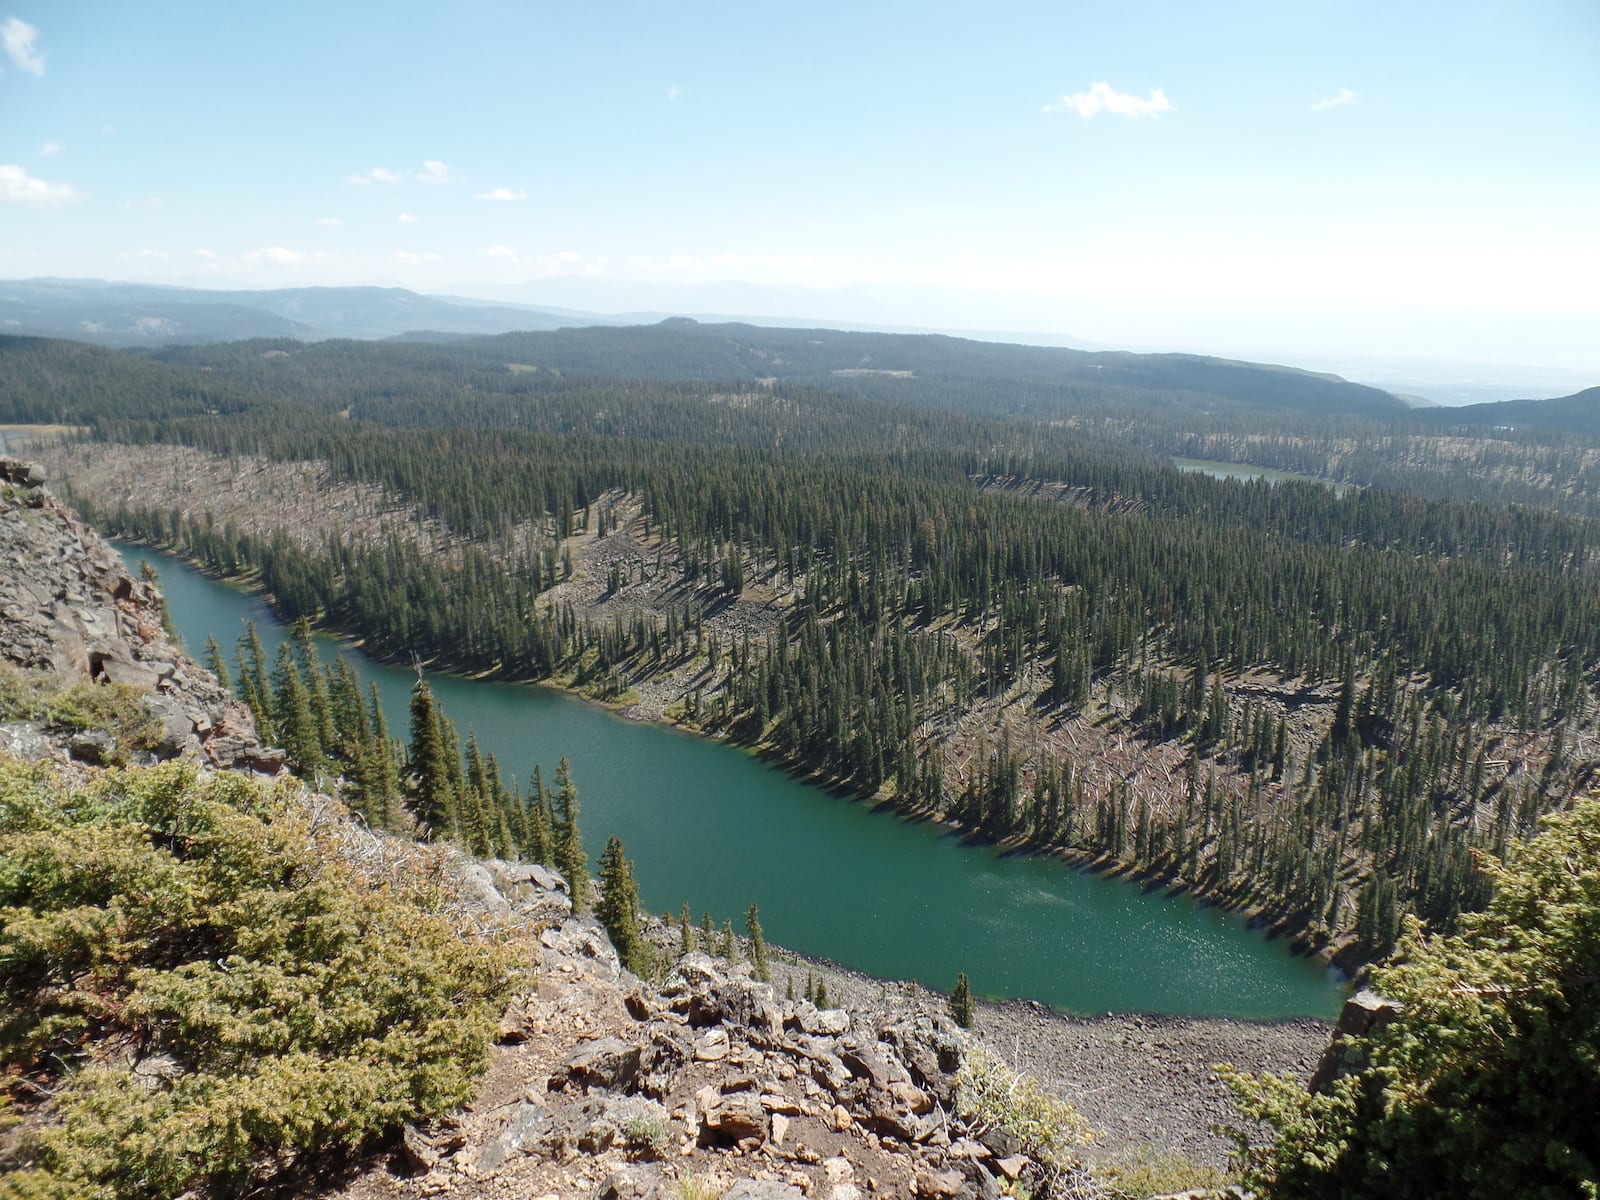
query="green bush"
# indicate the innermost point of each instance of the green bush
(1486, 1083)
(207, 988)
(116, 709)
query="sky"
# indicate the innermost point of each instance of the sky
(1310, 180)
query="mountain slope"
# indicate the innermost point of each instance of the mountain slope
(1577, 413)
(133, 314)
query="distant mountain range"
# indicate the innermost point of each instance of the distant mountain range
(153, 317)
(144, 315)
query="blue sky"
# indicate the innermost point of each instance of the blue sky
(1291, 178)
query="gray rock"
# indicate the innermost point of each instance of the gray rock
(26, 740)
(763, 1189)
(932, 1049)
(818, 1022)
(528, 1124)
(478, 884)
(638, 1181)
(596, 1124)
(92, 746)
(1363, 1015)
(607, 1062)
(732, 1118)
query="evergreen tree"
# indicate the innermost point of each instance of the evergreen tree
(254, 686)
(685, 931)
(384, 771)
(963, 1010)
(758, 944)
(540, 842)
(568, 838)
(296, 722)
(316, 683)
(434, 798)
(618, 909)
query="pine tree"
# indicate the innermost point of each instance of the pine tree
(296, 722)
(254, 687)
(435, 799)
(570, 858)
(618, 909)
(962, 1008)
(758, 944)
(730, 943)
(540, 843)
(685, 931)
(316, 683)
(384, 782)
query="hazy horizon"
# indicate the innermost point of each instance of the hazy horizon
(1355, 184)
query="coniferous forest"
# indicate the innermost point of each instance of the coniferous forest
(961, 577)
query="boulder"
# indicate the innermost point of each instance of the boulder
(732, 1118)
(528, 1124)
(1363, 1015)
(607, 1062)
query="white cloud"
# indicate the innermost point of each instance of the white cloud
(410, 258)
(146, 256)
(50, 149)
(405, 218)
(502, 193)
(674, 92)
(377, 175)
(1102, 97)
(203, 253)
(503, 253)
(17, 186)
(278, 256)
(1341, 98)
(17, 38)
(434, 171)
(330, 221)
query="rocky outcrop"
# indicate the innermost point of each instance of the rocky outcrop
(606, 1085)
(1363, 1015)
(69, 606)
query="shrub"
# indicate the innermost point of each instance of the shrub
(1485, 1083)
(991, 1095)
(208, 990)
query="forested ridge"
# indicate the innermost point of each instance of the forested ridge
(1339, 698)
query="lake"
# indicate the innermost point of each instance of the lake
(714, 825)
(1232, 470)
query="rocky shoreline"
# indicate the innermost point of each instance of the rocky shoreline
(1145, 1080)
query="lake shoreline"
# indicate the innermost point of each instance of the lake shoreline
(1143, 1079)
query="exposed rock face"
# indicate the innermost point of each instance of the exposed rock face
(1364, 1014)
(713, 1075)
(69, 606)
